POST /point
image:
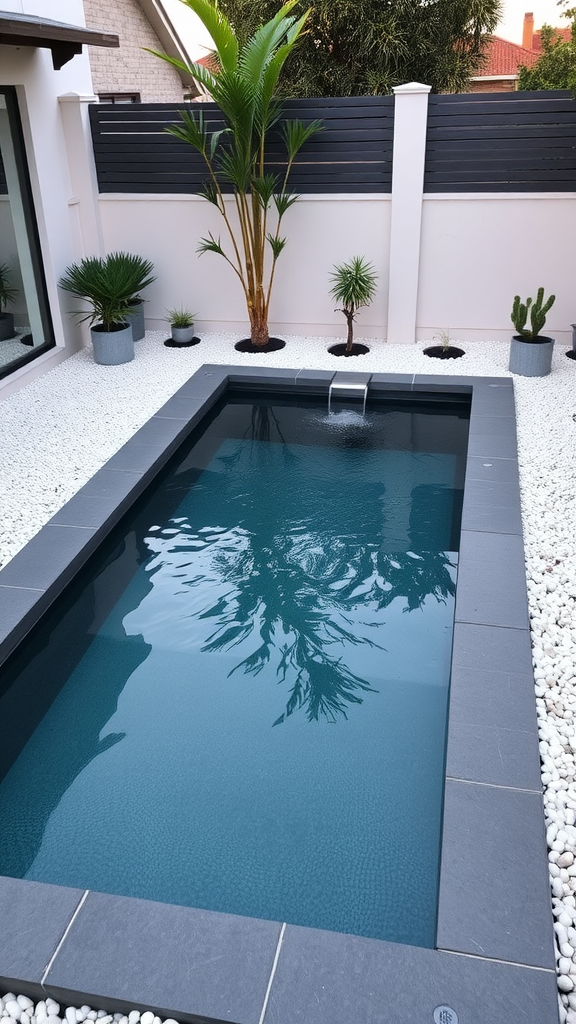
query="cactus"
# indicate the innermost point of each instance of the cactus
(536, 309)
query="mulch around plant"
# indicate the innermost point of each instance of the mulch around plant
(438, 352)
(273, 345)
(340, 349)
(170, 343)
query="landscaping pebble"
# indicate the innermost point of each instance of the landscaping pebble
(63, 426)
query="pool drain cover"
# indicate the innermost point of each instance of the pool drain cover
(445, 1015)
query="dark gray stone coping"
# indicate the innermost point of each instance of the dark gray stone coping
(494, 960)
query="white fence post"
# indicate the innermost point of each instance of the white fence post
(83, 202)
(410, 120)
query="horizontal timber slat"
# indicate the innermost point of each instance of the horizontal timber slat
(475, 142)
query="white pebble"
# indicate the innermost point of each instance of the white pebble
(565, 983)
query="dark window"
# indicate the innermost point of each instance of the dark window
(25, 321)
(119, 97)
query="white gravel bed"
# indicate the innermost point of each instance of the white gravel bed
(60, 429)
(14, 1009)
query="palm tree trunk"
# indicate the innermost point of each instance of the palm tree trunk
(259, 335)
(350, 338)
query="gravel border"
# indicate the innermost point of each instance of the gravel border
(61, 428)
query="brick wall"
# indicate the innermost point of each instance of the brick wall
(504, 85)
(129, 69)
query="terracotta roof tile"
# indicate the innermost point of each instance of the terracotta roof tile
(504, 58)
(564, 33)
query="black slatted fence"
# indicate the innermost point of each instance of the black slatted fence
(3, 185)
(501, 142)
(353, 153)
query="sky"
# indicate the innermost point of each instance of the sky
(544, 11)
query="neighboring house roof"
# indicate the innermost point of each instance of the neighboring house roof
(504, 58)
(564, 33)
(65, 41)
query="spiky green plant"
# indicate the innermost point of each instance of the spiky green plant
(7, 292)
(536, 309)
(354, 285)
(244, 89)
(180, 318)
(108, 283)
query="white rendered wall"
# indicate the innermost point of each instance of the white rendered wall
(478, 251)
(38, 86)
(321, 231)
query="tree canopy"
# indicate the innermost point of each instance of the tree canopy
(366, 47)
(556, 65)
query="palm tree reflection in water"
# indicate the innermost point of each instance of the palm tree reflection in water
(304, 566)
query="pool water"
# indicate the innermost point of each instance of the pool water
(243, 706)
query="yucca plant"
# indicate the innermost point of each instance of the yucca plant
(536, 309)
(244, 88)
(107, 283)
(354, 285)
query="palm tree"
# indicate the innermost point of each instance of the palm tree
(244, 88)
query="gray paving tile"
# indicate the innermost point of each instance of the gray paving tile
(175, 958)
(483, 517)
(391, 380)
(491, 470)
(136, 459)
(351, 376)
(493, 735)
(116, 484)
(86, 509)
(491, 580)
(183, 408)
(158, 433)
(54, 553)
(442, 382)
(325, 978)
(17, 610)
(34, 918)
(490, 401)
(491, 650)
(494, 889)
(493, 754)
(495, 443)
(315, 378)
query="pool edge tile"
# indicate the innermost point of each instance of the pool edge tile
(329, 978)
(184, 962)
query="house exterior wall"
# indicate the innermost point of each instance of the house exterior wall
(38, 87)
(130, 69)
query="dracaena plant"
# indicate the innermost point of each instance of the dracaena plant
(243, 86)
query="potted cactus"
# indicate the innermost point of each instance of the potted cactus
(7, 294)
(530, 351)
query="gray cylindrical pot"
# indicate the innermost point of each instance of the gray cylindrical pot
(182, 335)
(113, 347)
(7, 326)
(573, 326)
(135, 316)
(531, 358)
